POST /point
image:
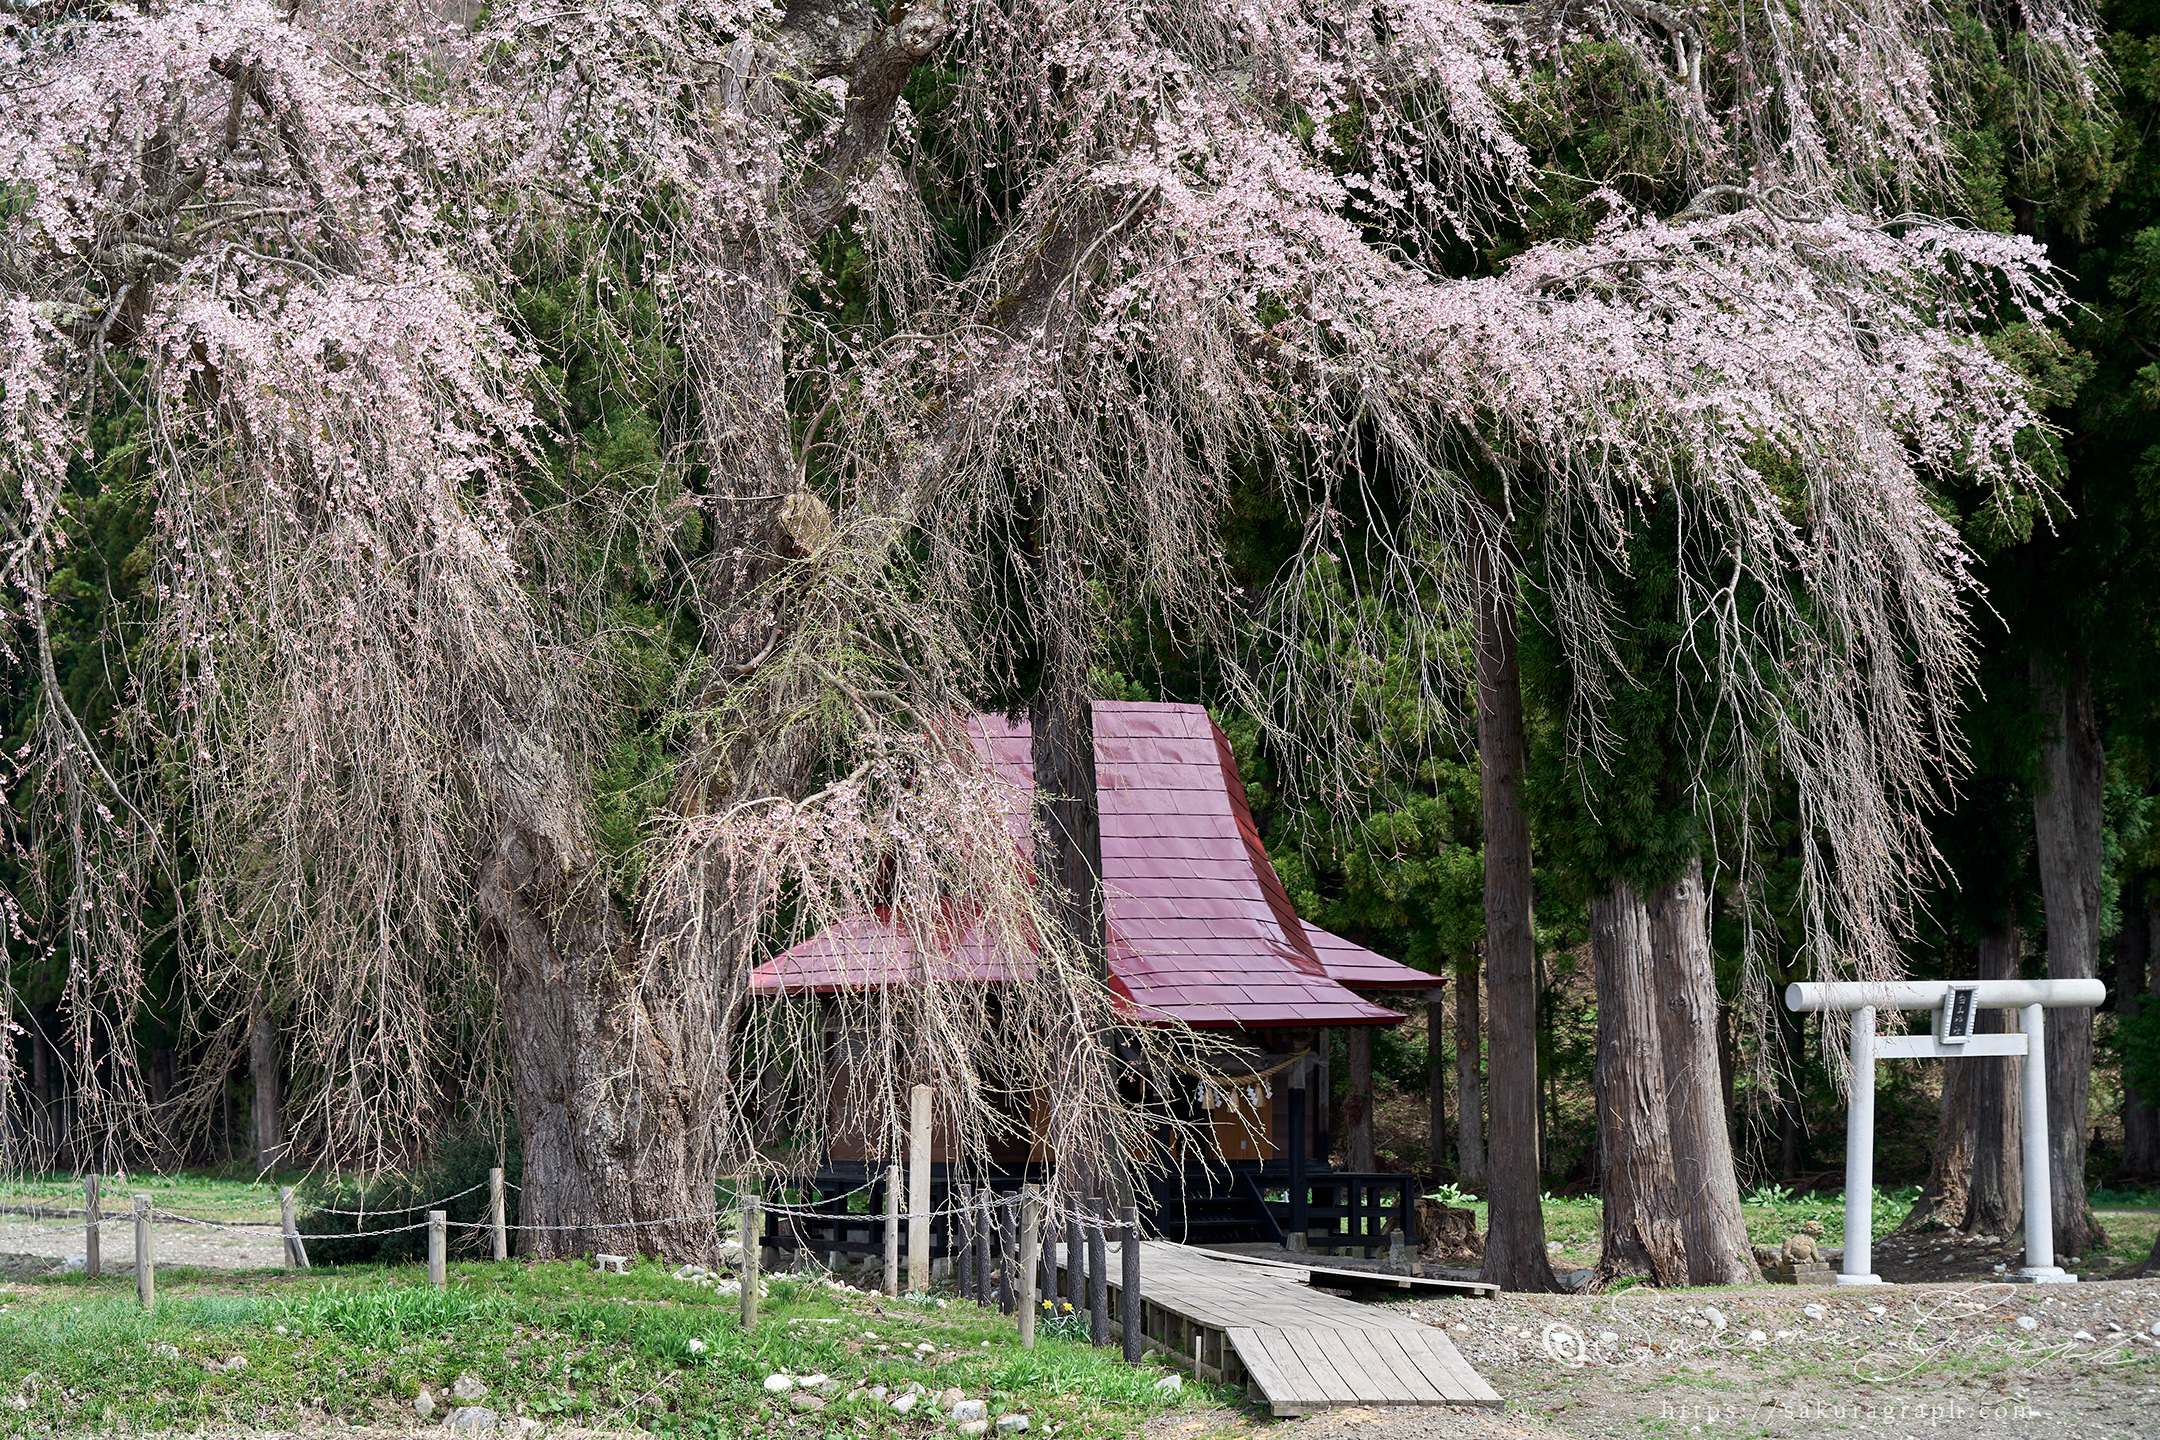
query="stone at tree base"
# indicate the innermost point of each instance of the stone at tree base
(468, 1387)
(476, 1418)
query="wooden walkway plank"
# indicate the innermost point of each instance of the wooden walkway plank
(1303, 1349)
(1381, 1385)
(1424, 1390)
(1445, 1359)
(1318, 1362)
(1372, 1278)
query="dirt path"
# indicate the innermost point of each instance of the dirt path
(30, 1248)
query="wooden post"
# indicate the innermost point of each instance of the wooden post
(438, 1249)
(495, 1213)
(1046, 1286)
(1075, 1259)
(90, 1227)
(1030, 1266)
(1323, 1097)
(918, 1235)
(145, 1255)
(983, 1217)
(892, 1229)
(295, 1251)
(1294, 1156)
(1008, 1257)
(1129, 1287)
(753, 1242)
(963, 1230)
(1358, 1104)
(1098, 1271)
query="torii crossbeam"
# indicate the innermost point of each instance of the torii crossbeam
(1954, 1003)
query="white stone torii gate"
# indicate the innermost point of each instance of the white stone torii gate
(1954, 1002)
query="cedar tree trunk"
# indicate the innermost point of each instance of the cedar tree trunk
(1947, 1194)
(1515, 1257)
(2066, 826)
(1436, 1084)
(1689, 1035)
(1642, 1226)
(1469, 1092)
(1995, 1204)
(2133, 949)
(1357, 1106)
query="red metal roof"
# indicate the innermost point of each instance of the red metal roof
(1200, 927)
(1348, 963)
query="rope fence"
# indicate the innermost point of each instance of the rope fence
(1003, 1246)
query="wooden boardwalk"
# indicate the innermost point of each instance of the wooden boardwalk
(1298, 1350)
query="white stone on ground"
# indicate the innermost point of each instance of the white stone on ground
(468, 1387)
(1756, 1337)
(1170, 1384)
(779, 1384)
(2028, 1322)
(423, 1405)
(1012, 1424)
(973, 1428)
(962, 1411)
(472, 1417)
(904, 1404)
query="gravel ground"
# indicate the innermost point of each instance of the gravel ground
(30, 1248)
(1976, 1361)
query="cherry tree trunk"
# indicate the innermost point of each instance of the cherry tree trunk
(2066, 827)
(267, 1114)
(1469, 1092)
(1690, 1035)
(1643, 1233)
(609, 1113)
(1995, 1200)
(2133, 950)
(1358, 1105)
(1515, 1257)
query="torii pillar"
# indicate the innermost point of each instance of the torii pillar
(1952, 1038)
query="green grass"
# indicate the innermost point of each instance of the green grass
(556, 1342)
(1771, 1212)
(227, 1194)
